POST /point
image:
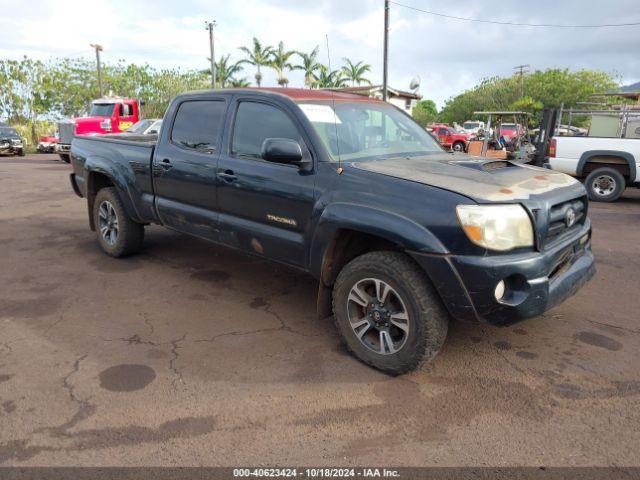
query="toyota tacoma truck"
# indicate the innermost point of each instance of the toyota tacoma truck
(400, 234)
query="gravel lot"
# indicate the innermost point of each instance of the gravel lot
(192, 354)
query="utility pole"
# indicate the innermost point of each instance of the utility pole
(98, 49)
(385, 54)
(523, 69)
(209, 26)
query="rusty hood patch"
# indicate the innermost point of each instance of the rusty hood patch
(478, 178)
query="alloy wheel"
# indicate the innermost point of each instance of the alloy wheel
(108, 222)
(378, 316)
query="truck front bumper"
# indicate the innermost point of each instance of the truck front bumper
(534, 282)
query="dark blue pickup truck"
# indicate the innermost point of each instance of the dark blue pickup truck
(400, 234)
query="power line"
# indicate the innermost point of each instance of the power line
(497, 22)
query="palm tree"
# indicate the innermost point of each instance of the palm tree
(226, 71)
(325, 78)
(309, 64)
(239, 82)
(280, 63)
(259, 56)
(354, 72)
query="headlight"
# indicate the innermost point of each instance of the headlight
(496, 227)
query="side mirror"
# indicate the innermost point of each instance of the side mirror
(284, 150)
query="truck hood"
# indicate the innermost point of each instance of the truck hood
(89, 125)
(484, 180)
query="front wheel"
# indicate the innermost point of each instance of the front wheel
(458, 147)
(65, 157)
(21, 152)
(118, 235)
(605, 184)
(388, 312)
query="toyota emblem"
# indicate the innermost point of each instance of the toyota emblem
(570, 217)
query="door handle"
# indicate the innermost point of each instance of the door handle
(227, 175)
(166, 164)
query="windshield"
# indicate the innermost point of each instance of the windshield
(101, 110)
(470, 125)
(140, 126)
(8, 131)
(360, 130)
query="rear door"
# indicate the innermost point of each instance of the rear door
(184, 168)
(265, 208)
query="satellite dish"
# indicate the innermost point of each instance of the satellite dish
(415, 83)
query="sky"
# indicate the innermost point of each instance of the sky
(448, 56)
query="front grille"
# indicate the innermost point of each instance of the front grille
(66, 130)
(558, 218)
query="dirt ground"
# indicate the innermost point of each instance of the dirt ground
(192, 354)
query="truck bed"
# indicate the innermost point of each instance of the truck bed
(127, 159)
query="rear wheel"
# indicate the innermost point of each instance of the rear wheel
(388, 313)
(65, 157)
(118, 235)
(605, 184)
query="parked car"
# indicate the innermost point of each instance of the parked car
(148, 126)
(399, 233)
(11, 142)
(606, 165)
(107, 115)
(47, 144)
(449, 138)
(472, 127)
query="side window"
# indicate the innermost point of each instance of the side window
(442, 131)
(198, 124)
(127, 110)
(256, 122)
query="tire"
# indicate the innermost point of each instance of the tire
(118, 235)
(458, 147)
(21, 152)
(65, 157)
(605, 184)
(409, 290)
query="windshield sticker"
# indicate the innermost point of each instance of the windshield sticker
(319, 113)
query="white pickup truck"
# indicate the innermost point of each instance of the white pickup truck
(606, 165)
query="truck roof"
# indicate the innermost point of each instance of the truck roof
(310, 94)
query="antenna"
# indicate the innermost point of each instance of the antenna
(333, 101)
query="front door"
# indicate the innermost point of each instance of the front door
(184, 168)
(265, 208)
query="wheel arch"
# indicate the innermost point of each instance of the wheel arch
(100, 174)
(624, 162)
(346, 231)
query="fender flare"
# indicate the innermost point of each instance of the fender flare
(387, 225)
(100, 165)
(586, 156)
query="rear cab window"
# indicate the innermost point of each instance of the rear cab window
(198, 125)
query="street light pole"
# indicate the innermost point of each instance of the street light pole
(209, 26)
(385, 55)
(98, 49)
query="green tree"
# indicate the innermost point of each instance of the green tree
(226, 70)
(325, 78)
(240, 83)
(308, 64)
(425, 112)
(354, 72)
(545, 88)
(258, 56)
(280, 62)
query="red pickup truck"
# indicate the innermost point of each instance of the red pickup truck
(449, 138)
(107, 115)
